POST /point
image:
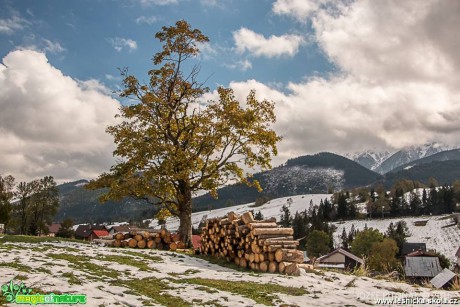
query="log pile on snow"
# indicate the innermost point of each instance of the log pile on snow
(258, 245)
(152, 239)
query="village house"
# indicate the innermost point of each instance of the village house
(422, 267)
(118, 228)
(84, 231)
(408, 248)
(339, 259)
(444, 279)
(53, 229)
(97, 234)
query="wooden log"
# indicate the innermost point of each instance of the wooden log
(180, 245)
(247, 217)
(271, 256)
(274, 248)
(281, 242)
(273, 267)
(163, 233)
(243, 263)
(127, 236)
(275, 237)
(237, 260)
(292, 269)
(173, 246)
(167, 239)
(262, 225)
(146, 235)
(138, 237)
(263, 266)
(132, 243)
(273, 231)
(282, 266)
(231, 216)
(282, 255)
(151, 244)
(119, 236)
(158, 240)
(160, 246)
(251, 257)
(141, 243)
(116, 243)
(124, 243)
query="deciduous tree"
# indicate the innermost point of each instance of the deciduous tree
(172, 143)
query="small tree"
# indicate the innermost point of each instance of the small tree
(172, 144)
(318, 243)
(6, 194)
(362, 244)
(66, 230)
(258, 216)
(382, 255)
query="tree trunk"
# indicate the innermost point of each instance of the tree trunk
(185, 213)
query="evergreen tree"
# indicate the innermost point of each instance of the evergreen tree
(318, 243)
(344, 238)
(258, 216)
(415, 204)
(342, 207)
(286, 218)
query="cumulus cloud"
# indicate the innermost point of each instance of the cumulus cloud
(53, 47)
(299, 9)
(119, 44)
(274, 46)
(397, 82)
(240, 65)
(51, 124)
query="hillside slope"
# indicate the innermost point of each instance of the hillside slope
(303, 175)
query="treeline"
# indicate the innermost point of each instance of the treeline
(28, 207)
(406, 198)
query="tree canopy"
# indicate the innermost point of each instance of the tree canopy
(171, 143)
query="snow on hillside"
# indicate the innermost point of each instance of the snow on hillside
(439, 233)
(268, 210)
(370, 159)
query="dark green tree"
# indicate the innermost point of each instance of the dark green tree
(362, 244)
(66, 230)
(286, 218)
(6, 195)
(318, 243)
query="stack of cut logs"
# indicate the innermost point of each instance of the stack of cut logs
(259, 245)
(149, 238)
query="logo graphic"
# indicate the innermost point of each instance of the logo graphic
(20, 294)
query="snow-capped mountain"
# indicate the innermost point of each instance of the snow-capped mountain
(370, 159)
(385, 161)
(409, 154)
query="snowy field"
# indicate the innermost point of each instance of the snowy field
(269, 209)
(127, 277)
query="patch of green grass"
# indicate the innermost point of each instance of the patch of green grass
(80, 262)
(187, 272)
(33, 239)
(43, 270)
(16, 265)
(154, 289)
(72, 279)
(144, 256)
(206, 289)
(260, 293)
(21, 277)
(127, 260)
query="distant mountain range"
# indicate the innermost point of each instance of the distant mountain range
(384, 161)
(311, 174)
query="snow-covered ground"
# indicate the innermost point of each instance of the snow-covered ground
(439, 233)
(269, 209)
(47, 266)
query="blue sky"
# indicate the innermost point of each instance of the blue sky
(88, 30)
(345, 76)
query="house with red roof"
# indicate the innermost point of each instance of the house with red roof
(97, 234)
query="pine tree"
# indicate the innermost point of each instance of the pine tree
(344, 238)
(342, 207)
(286, 218)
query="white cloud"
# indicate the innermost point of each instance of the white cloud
(397, 84)
(157, 2)
(119, 44)
(10, 25)
(150, 20)
(53, 47)
(240, 65)
(274, 46)
(51, 124)
(299, 9)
